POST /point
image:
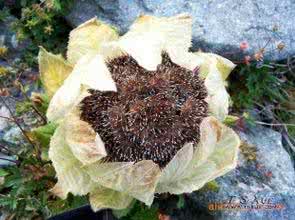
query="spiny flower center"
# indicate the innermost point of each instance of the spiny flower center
(153, 114)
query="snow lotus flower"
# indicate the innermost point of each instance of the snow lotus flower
(137, 114)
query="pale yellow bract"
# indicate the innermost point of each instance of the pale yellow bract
(76, 150)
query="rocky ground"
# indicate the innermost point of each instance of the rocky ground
(218, 26)
(264, 177)
(265, 174)
(10, 134)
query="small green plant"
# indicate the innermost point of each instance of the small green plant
(24, 187)
(270, 88)
(43, 23)
(137, 211)
(4, 13)
(256, 85)
(24, 192)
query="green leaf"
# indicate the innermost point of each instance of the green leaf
(124, 212)
(230, 120)
(44, 155)
(22, 107)
(57, 5)
(140, 211)
(44, 104)
(181, 202)
(12, 181)
(249, 119)
(3, 173)
(59, 205)
(44, 133)
(4, 13)
(25, 106)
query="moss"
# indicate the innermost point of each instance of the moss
(43, 24)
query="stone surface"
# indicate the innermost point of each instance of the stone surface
(265, 174)
(218, 26)
(4, 114)
(8, 131)
(13, 136)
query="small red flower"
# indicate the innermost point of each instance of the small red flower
(258, 56)
(163, 217)
(268, 174)
(247, 60)
(244, 45)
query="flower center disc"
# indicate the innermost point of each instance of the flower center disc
(153, 113)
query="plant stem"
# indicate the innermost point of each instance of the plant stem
(33, 105)
(25, 95)
(6, 149)
(7, 118)
(270, 124)
(16, 122)
(286, 135)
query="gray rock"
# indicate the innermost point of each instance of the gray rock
(265, 174)
(6, 160)
(4, 114)
(9, 133)
(5, 124)
(13, 136)
(218, 26)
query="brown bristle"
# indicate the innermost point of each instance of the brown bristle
(153, 114)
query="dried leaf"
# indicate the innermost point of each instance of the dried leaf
(72, 176)
(87, 39)
(149, 36)
(102, 198)
(206, 165)
(53, 70)
(137, 180)
(85, 144)
(91, 72)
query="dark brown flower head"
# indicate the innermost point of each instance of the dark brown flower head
(153, 114)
